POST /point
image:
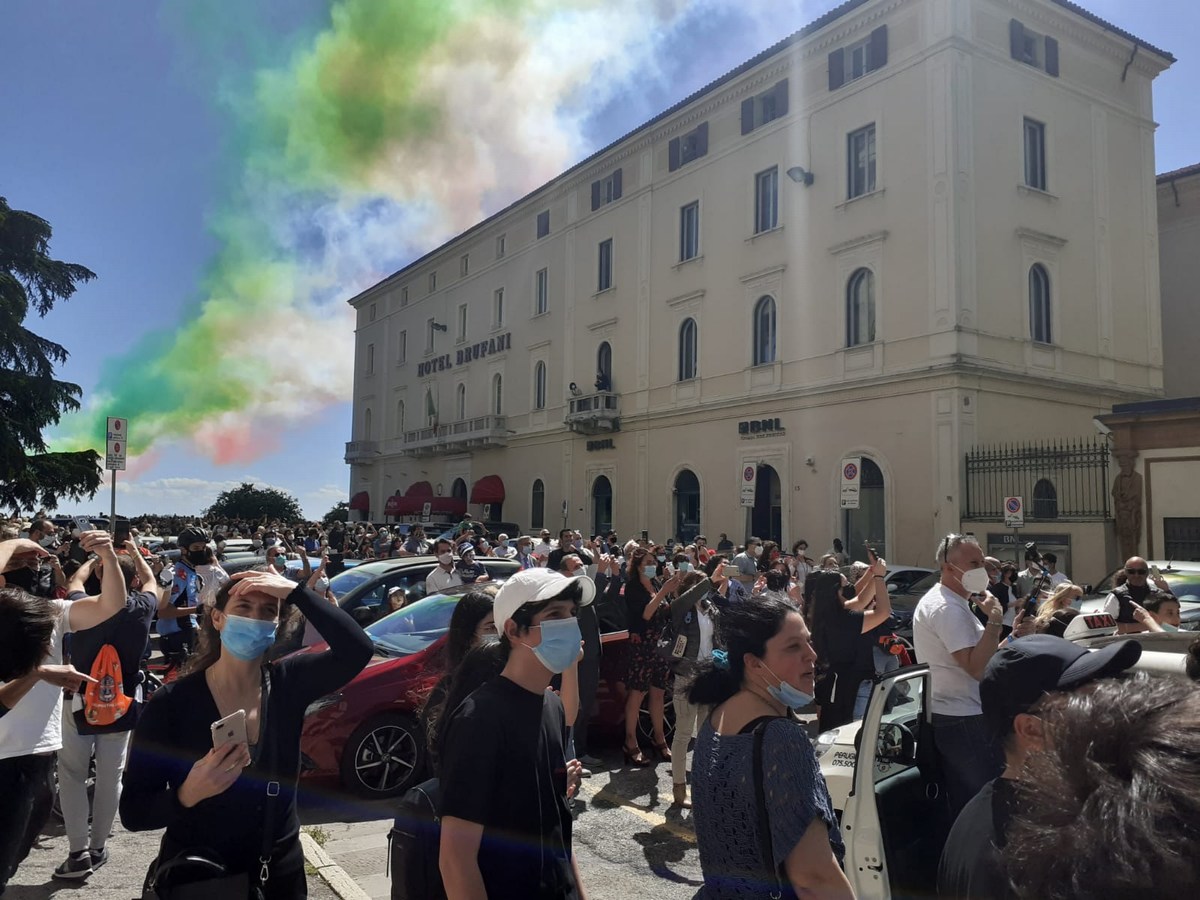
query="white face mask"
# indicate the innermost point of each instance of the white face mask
(974, 581)
(445, 558)
(757, 551)
(322, 585)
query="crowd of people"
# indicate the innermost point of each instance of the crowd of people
(1043, 749)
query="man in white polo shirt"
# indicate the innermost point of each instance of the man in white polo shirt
(957, 647)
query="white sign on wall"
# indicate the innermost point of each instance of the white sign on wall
(1014, 512)
(749, 478)
(118, 435)
(851, 479)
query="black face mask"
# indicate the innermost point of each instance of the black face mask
(197, 557)
(848, 592)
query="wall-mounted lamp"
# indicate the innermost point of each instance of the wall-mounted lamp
(438, 326)
(810, 462)
(800, 175)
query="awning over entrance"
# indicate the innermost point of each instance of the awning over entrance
(489, 489)
(361, 502)
(448, 506)
(418, 494)
(393, 505)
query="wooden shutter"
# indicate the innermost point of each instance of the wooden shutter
(701, 139)
(673, 155)
(1051, 57)
(1016, 40)
(837, 69)
(878, 50)
(781, 99)
(748, 115)
(617, 185)
(596, 195)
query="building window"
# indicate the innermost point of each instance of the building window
(689, 231)
(606, 190)
(1035, 155)
(604, 282)
(432, 282)
(498, 394)
(460, 402)
(1045, 500)
(1033, 49)
(764, 331)
(604, 366)
(500, 246)
(370, 359)
(766, 107)
(1039, 304)
(539, 385)
(371, 316)
(537, 506)
(402, 348)
(404, 296)
(766, 200)
(848, 63)
(464, 265)
(543, 223)
(430, 410)
(429, 332)
(498, 308)
(462, 322)
(687, 350)
(541, 292)
(861, 159)
(693, 145)
(367, 424)
(399, 418)
(860, 308)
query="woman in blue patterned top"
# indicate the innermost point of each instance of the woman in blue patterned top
(764, 672)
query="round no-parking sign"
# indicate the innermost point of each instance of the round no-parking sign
(748, 473)
(849, 472)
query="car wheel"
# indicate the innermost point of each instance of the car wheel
(383, 757)
(646, 729)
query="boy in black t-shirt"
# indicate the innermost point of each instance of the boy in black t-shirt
(506, 826)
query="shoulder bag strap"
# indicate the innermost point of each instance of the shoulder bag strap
(268, 844)
(764, 817)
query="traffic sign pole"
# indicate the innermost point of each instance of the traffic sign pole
(112, 508)
(116, 441)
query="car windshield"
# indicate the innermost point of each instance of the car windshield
(412, 629)
(344, 582)
(1184, 584)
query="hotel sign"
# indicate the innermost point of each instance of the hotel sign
(498, 344)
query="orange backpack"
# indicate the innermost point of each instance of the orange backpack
(104, 702)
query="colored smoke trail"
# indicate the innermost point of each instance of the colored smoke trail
(397, 125)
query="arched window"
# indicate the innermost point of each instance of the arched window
(860, 308)
(537, 506)
(539, 385)
(460, 402)
(687, 506)
(1045, 500)
(602, 505)
(367, 424)
(687, 350)
(604, 366)
(1039, 304)
(400, 418)
(764, 331)
(430, 409)
(498, 394)
(458, 489)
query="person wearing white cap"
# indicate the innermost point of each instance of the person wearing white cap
(506, 826)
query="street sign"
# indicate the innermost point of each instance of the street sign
(749, 479)
(851, 477)
(1014, 512)
(115, 441)
(426, 509)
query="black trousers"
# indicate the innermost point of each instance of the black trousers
(28, 794)
(836, 692)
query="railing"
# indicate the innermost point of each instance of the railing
(594, 413)
(1056, 479)
(360, 450)
(482, 431)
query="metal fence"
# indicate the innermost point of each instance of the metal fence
(1061, 479)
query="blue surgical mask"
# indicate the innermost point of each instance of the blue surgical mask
(247, 639)
(662, 559)
(650, 571)
(560, 644)
(789, 696)
(1167, 626)
(685, 567)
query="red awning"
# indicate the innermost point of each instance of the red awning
(489, 489)
(452, 506)
(361, 502)
(419, 489)
(393, 505)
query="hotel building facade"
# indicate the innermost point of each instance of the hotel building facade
(910, 229)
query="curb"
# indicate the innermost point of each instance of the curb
(331, 873)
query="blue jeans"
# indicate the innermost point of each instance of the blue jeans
(970, 755)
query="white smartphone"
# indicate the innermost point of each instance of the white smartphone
(229, 730)
(728, 571)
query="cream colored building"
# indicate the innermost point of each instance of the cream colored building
(911, 228)
(1179, 261)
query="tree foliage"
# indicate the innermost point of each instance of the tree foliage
(31, 398)
(339, 513)
(249, 502)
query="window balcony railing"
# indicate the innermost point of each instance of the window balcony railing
(361, 451)
(481, 432)
(595, 413)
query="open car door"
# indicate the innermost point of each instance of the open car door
(894, 823)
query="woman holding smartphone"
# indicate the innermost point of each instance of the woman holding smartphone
(212, 797)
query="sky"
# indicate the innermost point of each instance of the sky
(235, 170)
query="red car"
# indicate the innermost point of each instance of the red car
(366, 737)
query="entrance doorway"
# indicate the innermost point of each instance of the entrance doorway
(766, 516)
(687, 506)
(601, 505)
(867, 523)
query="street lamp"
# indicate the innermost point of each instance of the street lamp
(800, 175)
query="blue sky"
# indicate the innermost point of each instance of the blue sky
(111, 135)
